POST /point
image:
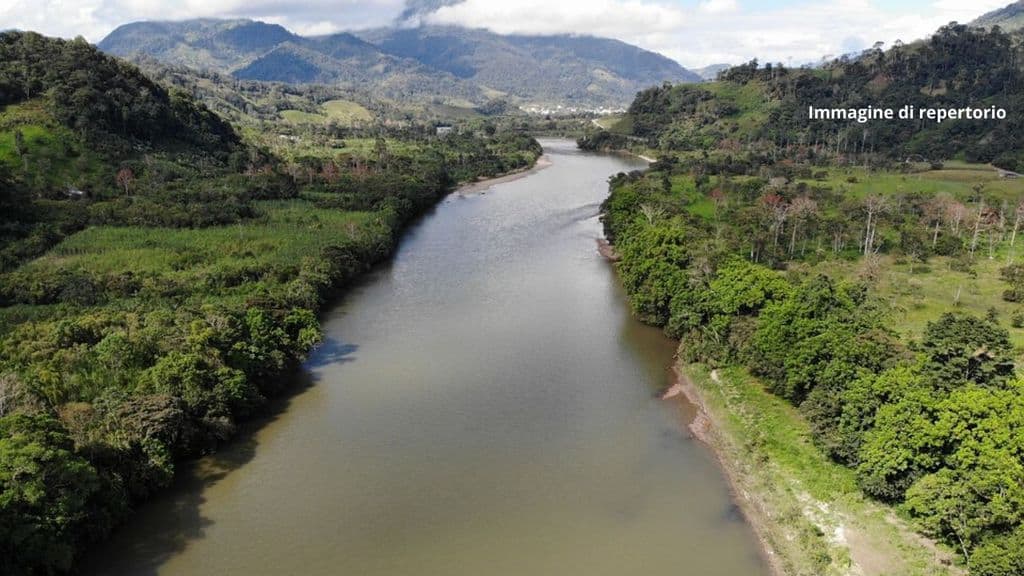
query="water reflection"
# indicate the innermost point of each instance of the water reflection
(482, 405)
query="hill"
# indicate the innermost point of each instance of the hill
(711, 72)
(253, 50)
(1009, 18)
(856, 289)
(456, 65)
(560, 69)
(763, 111)
(71, 120)
(159, 277)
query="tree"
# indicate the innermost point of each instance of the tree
(1018, 213)
(125, 178)
(45, 495)
(934, 212)
(777, 210)
(12, 393)
(801, 210)
(874, 205)
(20, 148)
(15, 201)
(960, 348)
(1002, 555)
(900, 448)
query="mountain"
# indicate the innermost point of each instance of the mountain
(711, 72)
(467, 67)
(764, 109)
(71, 119)
(1008, 18)
(252, 50)
(537, 69)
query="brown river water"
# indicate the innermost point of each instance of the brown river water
(483, 405)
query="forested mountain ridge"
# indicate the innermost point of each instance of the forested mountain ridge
(764, 109)
(403, 62)
(1009, 18)
(563, 68)
(255, 50)
(71, 118)
(868, 275)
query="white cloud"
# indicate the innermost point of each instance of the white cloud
(714, 31)
(718, 6)
(694, 32)
(94, 19)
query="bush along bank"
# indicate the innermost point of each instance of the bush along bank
(932, 425)
(132, 344)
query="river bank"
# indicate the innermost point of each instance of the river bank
(478, 186)
(807, 511)
(329, 250)
(481, 405)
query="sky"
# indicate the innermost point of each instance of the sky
(694, 32)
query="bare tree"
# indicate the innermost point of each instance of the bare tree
(778, 211)
(125, 178)
(935, 211)
(955, 214)
(977, 226)
(21, 148)
(652, 213)
(1018, 213)
(874, 206)
(801, 210)
(11, 393)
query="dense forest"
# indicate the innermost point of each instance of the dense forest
(860, 291)
(161, 276)
(762, 110)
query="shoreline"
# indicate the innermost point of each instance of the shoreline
(707, 431)
(801, 526)
(278, 400)
(480, 186)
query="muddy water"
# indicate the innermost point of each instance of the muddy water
(481, 406)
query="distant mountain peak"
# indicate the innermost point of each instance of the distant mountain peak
(422, 61)
(1009, 18)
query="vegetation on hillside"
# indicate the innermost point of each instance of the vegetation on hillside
(161, 277)
(881, 297)
(412, 64)
(761, 112)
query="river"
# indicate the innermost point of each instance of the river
(482, 405)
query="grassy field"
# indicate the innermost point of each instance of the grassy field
(956, 179)
(54, 156)
(291, 147)
(221, 264)
(807, 508)
(343, 112)
(917, 293)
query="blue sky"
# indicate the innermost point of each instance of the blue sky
(694, 32)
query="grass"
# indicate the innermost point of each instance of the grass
(271, 248)
(300, 117)
(347, 112)
(956, 179)
(54, 157)
(806, 507)
(917, 293)
(343, 112)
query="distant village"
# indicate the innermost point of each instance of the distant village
(561, 110)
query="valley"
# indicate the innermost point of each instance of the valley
(418, 296)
